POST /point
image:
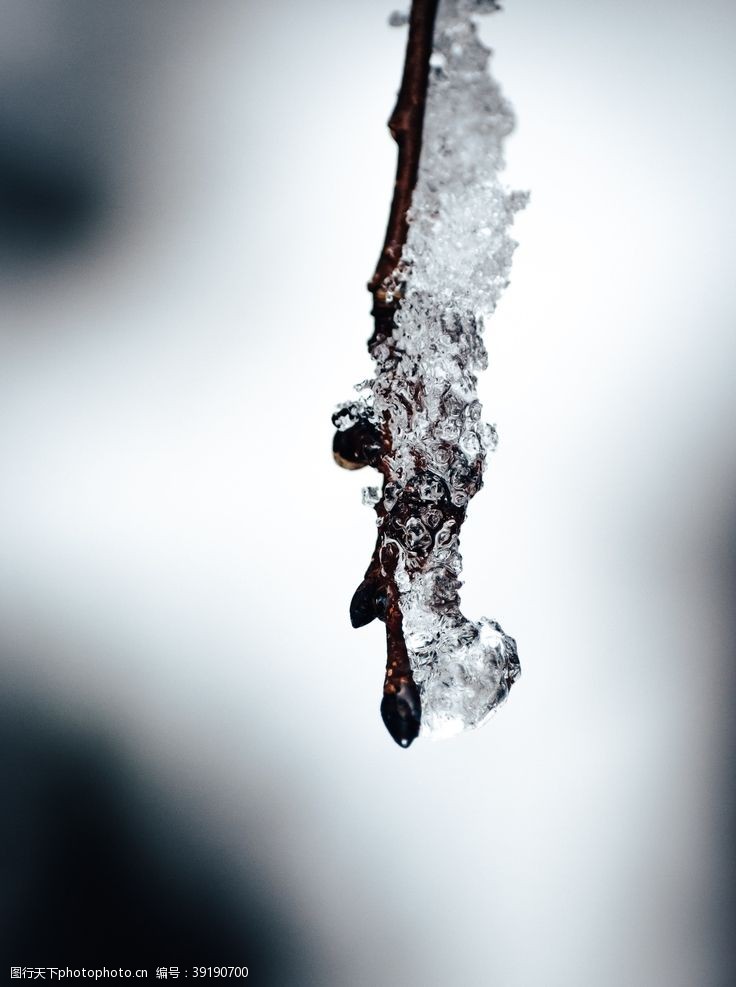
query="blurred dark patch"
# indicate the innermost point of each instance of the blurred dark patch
(725, 796)
(101, 869)
(76, 80)
(48, 203)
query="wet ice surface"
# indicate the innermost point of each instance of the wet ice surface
(455, 265)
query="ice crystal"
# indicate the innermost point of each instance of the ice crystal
(371, 496)
(455, 265)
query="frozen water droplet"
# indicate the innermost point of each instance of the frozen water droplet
(403, 583)
(470, 443)
(391, 495)
(445, 535)
(371, 496)
(442, 456)
(490, 437)
(418, 539)
(420, 635)
(449, 429)
(432, 516)
(475, 410)
(431, 488)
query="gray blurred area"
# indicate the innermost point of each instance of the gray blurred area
(194, 769)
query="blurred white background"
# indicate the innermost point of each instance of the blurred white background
(178, 550)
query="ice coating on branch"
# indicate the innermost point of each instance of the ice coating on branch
(455, 265)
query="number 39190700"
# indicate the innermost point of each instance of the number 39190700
(220, 971)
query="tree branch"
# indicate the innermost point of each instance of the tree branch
(363, 443)
(420, 428)
(406, 124)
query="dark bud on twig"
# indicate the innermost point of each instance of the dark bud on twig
(357, 446)
(363, 604)
(401, 712)
(369, 601)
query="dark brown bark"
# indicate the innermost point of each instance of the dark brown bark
(401, 707)
(361, 444)
(406, 125)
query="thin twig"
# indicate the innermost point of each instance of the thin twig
(406, 125)
(363, 443)
(401, 707)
